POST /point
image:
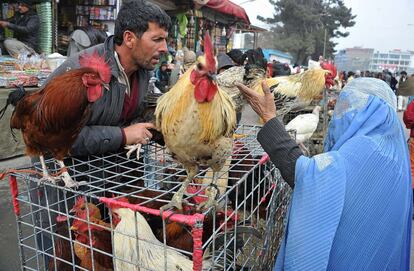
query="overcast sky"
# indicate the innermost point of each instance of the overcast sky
(380, 24)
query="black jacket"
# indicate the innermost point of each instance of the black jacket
(26, 28)
(281, 148)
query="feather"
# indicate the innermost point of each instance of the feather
(98, 64)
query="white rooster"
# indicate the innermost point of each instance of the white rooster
(146, 251)
(304, 125)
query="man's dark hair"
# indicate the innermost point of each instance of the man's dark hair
(134, 15)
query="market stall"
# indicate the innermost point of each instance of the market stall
(192, 18)
(71, 15)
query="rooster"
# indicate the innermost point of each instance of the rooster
(63, 250)
(251, 74)
(136, 245)
(51, 118)
(99, 237)
(289, 91)
(300, 88)
(197, 120)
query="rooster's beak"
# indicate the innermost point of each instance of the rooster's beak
(212, 76)
(106, 86)
(73, 228)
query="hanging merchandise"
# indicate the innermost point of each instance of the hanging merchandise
(182, 23)
(191, 34)
(44, 11)
(7, 10)
(200, 34)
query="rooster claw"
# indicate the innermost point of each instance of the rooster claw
(69, 182)
(132, 148)
(173, 203)
(207, 205)
(48, 179)
(211, 201)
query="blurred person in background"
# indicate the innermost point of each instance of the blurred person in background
(85, 37)
(25, 26)
(162, 77)
(402, 91)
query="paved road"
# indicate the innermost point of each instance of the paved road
(9, 253)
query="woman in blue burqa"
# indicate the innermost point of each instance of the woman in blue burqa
(351, 205)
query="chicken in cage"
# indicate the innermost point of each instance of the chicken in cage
(116, 222)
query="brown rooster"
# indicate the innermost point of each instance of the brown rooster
(50, 119)
(99, 237)
(63, 250)
(197, 120)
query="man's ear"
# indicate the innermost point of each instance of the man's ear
(129, 39)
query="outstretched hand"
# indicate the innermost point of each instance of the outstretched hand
(263, 105)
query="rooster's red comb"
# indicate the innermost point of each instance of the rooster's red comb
(209, 54)
(79, 201)
(97, 63)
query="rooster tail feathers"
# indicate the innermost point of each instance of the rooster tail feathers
(14, 97)
(208, 53)
(97, 63)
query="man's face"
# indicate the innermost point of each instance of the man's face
(22, 8)
(146, 51)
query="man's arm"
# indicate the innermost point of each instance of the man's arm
(32, 26)
(97, 140)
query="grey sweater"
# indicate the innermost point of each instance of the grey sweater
(281, 148)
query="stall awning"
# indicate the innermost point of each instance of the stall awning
(225, 7)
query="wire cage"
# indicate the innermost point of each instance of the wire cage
(114, 222)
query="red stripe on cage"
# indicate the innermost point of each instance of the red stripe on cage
(264, 159)
(197, 233)
(263, 199)
(14, 190)
(189, 220)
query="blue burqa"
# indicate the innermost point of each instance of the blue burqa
(351, 205)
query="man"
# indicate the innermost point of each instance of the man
(135, 49)
(25, 25)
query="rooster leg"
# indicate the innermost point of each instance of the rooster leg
(177, 200)
(211, 191)
(132, 148)
(69, 182)
(45, 173)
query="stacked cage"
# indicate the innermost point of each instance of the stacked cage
(113, 220)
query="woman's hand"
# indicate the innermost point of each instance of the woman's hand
(264, 106)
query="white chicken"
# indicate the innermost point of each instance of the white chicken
(304, 125)
(146, 251)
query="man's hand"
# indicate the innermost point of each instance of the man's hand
(138, 133)
(4, 23)
(264, 106)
